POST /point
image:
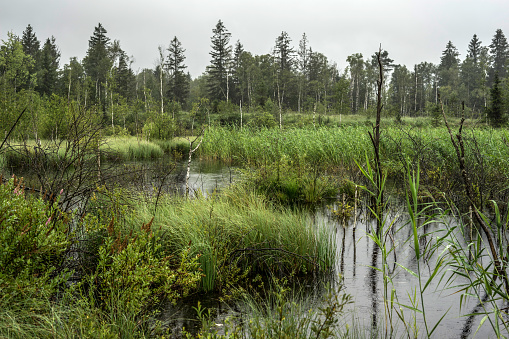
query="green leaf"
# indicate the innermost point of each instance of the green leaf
(408, 270)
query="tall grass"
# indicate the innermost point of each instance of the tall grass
(130, 148)
(333, 147)
(237, 231)
(345, 145)
(112, 149)
(334, 150)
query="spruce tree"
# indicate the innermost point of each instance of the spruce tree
(218, 71)
(31, 47)
(30, 42)
(496, 112)
(474, 49)
(124, 76)
(499, 52)
(283, 64)
(236, 89)
(303, 69)
(49, 61)
(448, 67)
(97, 63)
(179, 85)
(283, 53)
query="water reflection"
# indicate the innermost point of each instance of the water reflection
(359, 261)
(373, 282)
(166, 175)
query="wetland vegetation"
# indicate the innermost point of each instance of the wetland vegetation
(326, 183)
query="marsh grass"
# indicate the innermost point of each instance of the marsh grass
(123, 148)
(334, 151)
(73, 317)
(237, 232)
(130, 148)
(283, 311)
(178, 145)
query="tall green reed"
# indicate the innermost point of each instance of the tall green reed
(474, 265)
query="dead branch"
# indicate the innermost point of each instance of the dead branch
(460, 153)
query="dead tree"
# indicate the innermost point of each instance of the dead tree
(460, 153)
(191, 151)
(375, 140)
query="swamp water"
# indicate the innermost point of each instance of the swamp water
(358, 261)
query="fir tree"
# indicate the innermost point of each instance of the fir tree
(499, 50)
(218, 80)
(124, 76)
(31, 47)
(97, 63)
(474, 49)
(49, 61)
(449, 66)
(496, 112)
(283, 64)
(179, 85)
(30, 42)
(237, 88)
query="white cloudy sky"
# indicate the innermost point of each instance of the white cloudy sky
(411, 31)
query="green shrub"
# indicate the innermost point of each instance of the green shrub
(33, 241)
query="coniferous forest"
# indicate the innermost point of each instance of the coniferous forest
(292, 77)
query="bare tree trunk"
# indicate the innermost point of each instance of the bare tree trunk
(111, 101)
(161, 90)
(375, 139)
(352, 87)
(69, 88)
(415, 94)
(249, 92)
(191, 151)
(240, 115)
(147, 107)
(357, 94)
(161, 65)
(279, 100)
(227, 85)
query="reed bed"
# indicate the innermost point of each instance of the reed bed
(259, 146)
(334, 150)
(54, 152)
(345, 145)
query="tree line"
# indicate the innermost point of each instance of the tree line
(165, 100)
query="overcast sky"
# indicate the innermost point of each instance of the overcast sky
(411, 31)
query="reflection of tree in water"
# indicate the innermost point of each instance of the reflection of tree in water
(466, 331)
(373, 280)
